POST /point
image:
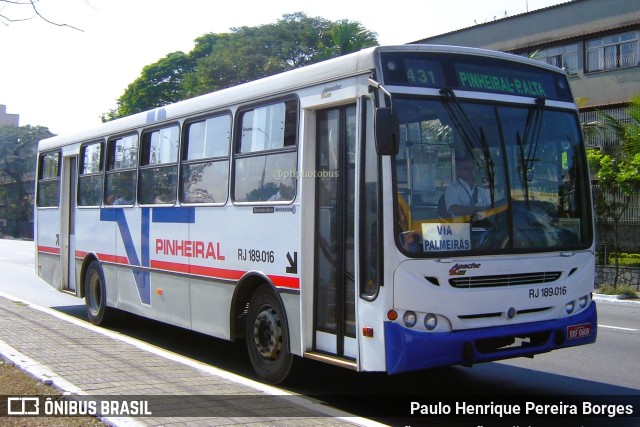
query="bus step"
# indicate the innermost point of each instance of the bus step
(333, 360)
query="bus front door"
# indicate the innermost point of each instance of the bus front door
(334, 299)
(67, 226)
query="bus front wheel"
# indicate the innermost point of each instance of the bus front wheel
(267, 335)
(95, 295)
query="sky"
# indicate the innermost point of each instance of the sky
(65, 79)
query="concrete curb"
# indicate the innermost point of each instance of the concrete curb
(616, 299)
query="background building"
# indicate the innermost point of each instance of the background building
(597, 42)
(8, 119)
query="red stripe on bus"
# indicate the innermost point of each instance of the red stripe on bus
(105, 257)
(222, 273)
(49, 250)
(285, 282)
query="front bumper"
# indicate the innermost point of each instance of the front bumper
(409, 350)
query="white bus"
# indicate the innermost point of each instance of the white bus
(308, 213)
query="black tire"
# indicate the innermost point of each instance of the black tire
(95, 295)
(267, 335)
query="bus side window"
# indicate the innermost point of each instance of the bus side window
(204, 176)
(49, 180)
(122, 159)
(266, 161)
(159, 166)
(90, 175)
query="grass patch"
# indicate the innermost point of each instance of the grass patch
(15, 382)
(624, 290)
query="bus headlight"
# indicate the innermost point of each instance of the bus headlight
(430, 321)
(409, 319)
(582, 302)
(570, 306)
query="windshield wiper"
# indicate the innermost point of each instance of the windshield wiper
(531, 138)
(470, 136)
(532, 130)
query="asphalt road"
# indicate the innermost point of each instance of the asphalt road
(608, 367)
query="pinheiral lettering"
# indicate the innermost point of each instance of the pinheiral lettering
(189, 249)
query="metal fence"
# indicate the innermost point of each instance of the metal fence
(599, 136)
(632, 214)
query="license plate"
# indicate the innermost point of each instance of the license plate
(579, 331)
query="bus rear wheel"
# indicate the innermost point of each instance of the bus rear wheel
(267, 335)
(95, 295)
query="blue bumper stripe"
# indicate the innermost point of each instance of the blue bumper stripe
(409, 350)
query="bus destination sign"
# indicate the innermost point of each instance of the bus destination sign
(462, 72)
(512, 82)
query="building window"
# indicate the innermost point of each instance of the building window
(565, 57)
(613, 51)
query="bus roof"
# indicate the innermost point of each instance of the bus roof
(353, 64)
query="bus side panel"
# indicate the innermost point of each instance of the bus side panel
(292, 307)
(169, 293)
(95, 235)
(210, 307)
(142, 289)
(239, 241)
(48, 246)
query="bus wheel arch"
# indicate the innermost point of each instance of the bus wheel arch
(258, 315)
(83, 271)
(244, 290)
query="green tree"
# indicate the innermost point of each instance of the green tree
(218, 61)
(629, 132)
(348, 37)
(616, 180)
(17, 166)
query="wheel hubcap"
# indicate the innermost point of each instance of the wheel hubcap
(267, 333)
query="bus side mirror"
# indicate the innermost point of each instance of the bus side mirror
(386, 125)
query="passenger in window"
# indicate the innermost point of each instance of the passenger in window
(164, 199)
(125, 198)
(463, 197)
(285, 193)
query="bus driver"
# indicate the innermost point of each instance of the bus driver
(463, 196)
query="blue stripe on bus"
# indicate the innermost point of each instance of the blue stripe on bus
(175, 215)
(144, 285)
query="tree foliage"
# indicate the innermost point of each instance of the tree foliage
(630, 131)
(616, 175)
(244, 54)
(17, 167)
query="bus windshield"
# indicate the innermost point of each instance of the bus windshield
(477, 178)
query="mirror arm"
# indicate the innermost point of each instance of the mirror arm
(377, 85)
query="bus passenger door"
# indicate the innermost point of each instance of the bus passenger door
(334, 298)
(67, 227)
